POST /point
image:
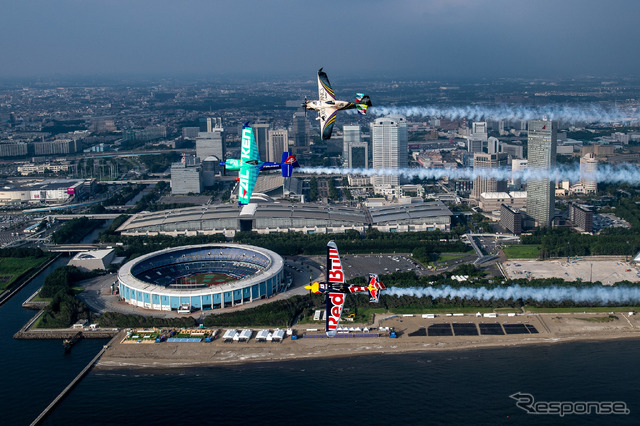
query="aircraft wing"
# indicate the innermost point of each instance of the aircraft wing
(335, 303)
(335, 275)
(249, 148)
(326, 123)
(325, 92)
(248, 175)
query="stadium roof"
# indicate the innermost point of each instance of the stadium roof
(284, 216)
(409, 212)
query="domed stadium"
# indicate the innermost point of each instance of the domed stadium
(201, 277)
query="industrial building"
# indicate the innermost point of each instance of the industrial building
(45, 191)
(93, 260)
(268, 218)
(162, 280)
(491, 201)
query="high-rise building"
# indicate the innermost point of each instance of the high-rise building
(483, 183)
(479, 130)
(351, 134)
(277, 143)
(261, 132)
(211, 142)
(358, 155)
(581, 217)
(493, 145)
(474, 145)
(588, 169)
(186, 176)
(511, 219)
(541, 159)
(300, 129)
(390, 141)
(518, 166)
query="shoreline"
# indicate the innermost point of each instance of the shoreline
(553, 329)
(112, 364)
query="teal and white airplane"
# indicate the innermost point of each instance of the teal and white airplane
(249, 165)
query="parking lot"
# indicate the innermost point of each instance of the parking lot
(363, 264)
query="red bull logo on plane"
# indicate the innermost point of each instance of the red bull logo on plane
(335, 274)
(334, 311)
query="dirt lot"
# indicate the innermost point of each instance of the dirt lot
(607, 271)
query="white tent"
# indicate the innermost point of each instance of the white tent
(278, 335)
(262, 335)
(229, 334)
(245, 335)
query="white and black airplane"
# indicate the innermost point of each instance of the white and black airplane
(327, 105)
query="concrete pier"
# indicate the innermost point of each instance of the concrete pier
(71, 385)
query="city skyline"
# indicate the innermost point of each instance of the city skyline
(403, 39)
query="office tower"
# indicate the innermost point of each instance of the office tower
(542, 158)
(186, 176)
(390, 140)
(517, 167)
(515, 151)
(581, 217)
(350, 134)
(277, 143)
(300, 130)
(479, 130)
(493, 145)
(474, 145)
(213, 123)
(261, 131)
(211, 142)
(511, 219)
(358, 155)
(588, 169)
(484, 183)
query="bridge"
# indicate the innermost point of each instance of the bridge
(106, 216)
(72, 248)
(482, 258)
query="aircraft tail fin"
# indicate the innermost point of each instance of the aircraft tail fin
(374, 287)
(362, 103)
(289, 162)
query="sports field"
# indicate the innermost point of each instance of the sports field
(208, 279)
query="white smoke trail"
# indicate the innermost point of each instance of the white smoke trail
(596, 294)
(590, 113)
(621, 173)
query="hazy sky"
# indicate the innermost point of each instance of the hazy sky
(394, 39)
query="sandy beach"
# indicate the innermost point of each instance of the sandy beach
(552, 329)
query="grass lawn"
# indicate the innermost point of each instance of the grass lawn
(452, 256)
(366, 314)
(522, 251)
(37, 323)
(600, 319)
(506, 310)
(38, 298)
(579, 309)
(12, 267)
